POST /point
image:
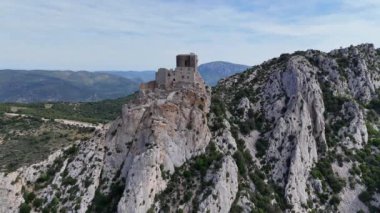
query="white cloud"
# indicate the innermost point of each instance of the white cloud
(146, 34)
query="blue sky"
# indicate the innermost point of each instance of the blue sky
(147, 34)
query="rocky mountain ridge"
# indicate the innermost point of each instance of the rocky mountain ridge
(212, 72)
(297, 133)
(310, 108)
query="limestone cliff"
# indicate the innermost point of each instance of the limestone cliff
(304, 118)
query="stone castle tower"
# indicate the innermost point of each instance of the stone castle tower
(185, 73)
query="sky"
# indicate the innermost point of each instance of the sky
(147, 34)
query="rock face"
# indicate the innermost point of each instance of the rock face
(67, 174)
(225, 188)
(298, 126)
(308, 110)
(296, 133)
(155, 136)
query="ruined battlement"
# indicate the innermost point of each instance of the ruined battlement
(186, 72)
(187, 60)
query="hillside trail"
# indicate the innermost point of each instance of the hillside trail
(62, 121)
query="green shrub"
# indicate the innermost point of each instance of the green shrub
(236, 209)
(68, 181)
(188, 196)
(240, 162)
(217, 107)
(203, 162)
(335, 183)
(375, 104)
(262, 146)
(29, 196)
(25, 208)
(372, 132)
(365, 197)
(324, 172)
(247, 126)
(217, 124)
(375, 142)
(71, 151)
(334, 201)
(37, 203)
(342, 62)
(42, 178)
(260, 185)
(333, 103)
(369, 168)
(151, 210)
(107, 202)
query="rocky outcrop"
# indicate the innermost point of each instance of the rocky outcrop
(152, 137)
(355, 134)
(309, 104)
(67, 174)
(298, 127)
(10, 192)
(225, 188)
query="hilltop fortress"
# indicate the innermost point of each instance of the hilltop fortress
(184, 75)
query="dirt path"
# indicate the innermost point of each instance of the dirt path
(79, 123)
(11, 115)
(62, 121)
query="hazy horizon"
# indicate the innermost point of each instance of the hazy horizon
(125, 35)
(146, 70)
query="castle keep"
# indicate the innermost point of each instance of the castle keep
(185, 74)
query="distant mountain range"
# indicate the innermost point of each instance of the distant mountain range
(214, 71)
(138, 76)
(37, 86)
(41, 86)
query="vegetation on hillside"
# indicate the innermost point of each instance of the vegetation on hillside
(191, 175)
(32, 134)
(28, 140)
(93, 112)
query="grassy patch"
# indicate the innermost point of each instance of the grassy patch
(93, 112)
(28, 140)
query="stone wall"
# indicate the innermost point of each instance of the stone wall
(168, 78)
(184, 73)
(187, 60)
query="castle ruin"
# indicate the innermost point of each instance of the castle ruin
(185, 74)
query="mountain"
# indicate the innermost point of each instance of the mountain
(38, 86)
(139, 76)
(214, 71)
(306, 130)
(297, 133)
